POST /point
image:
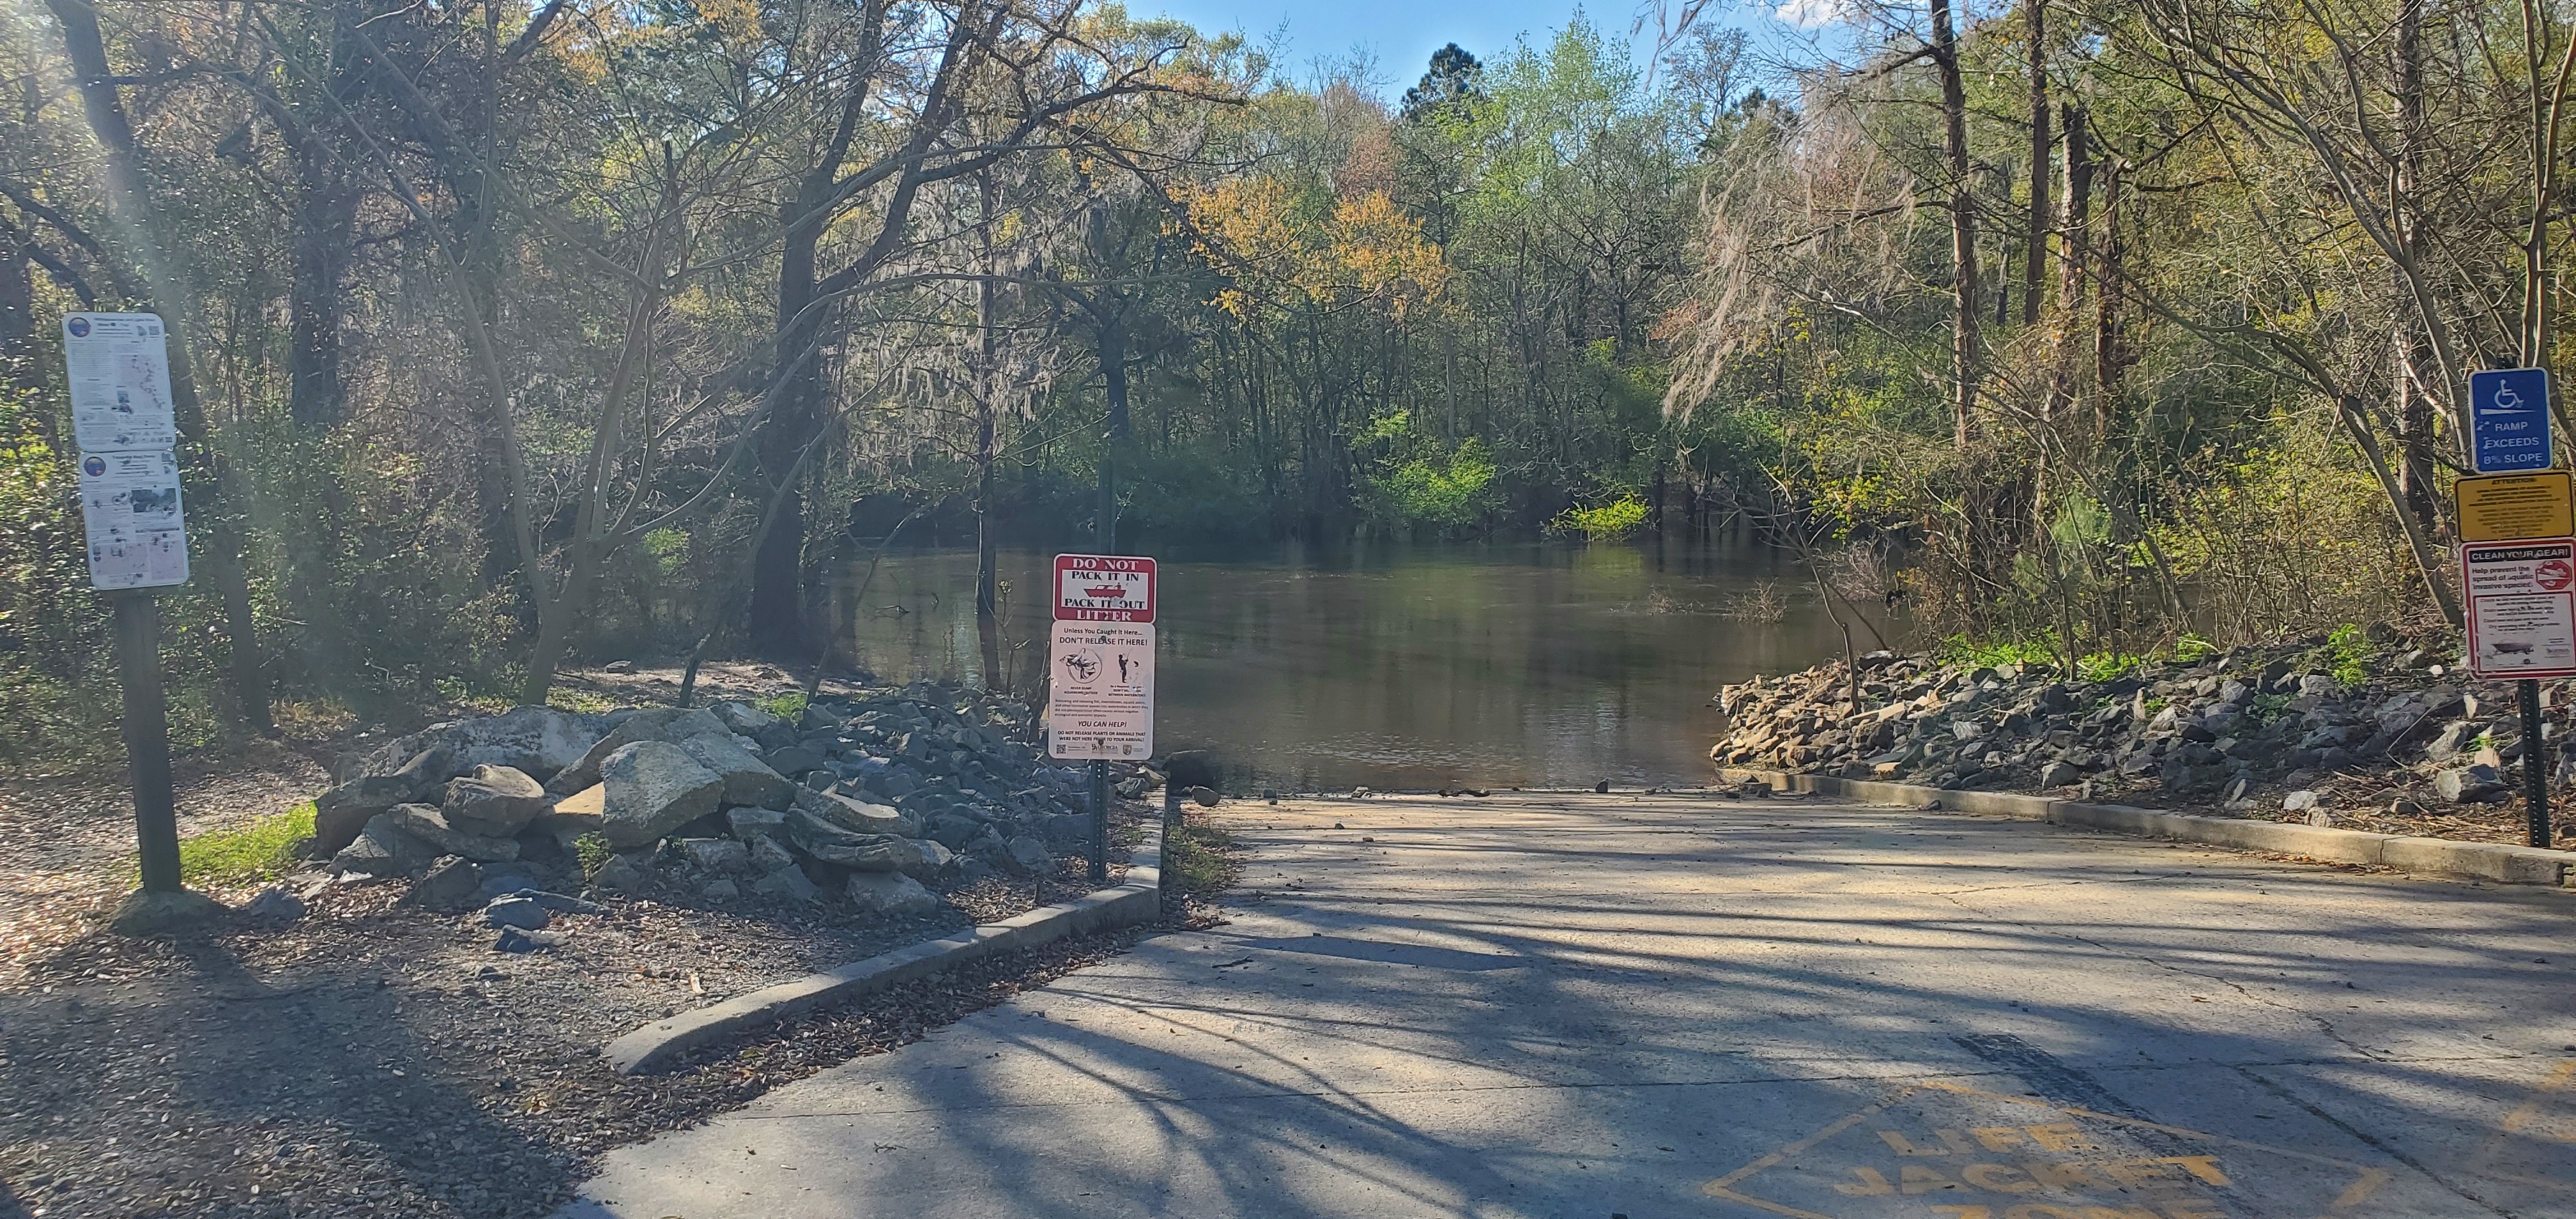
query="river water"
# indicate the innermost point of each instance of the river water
(1398, 667)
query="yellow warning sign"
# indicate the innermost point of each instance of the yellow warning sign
(2509, 507)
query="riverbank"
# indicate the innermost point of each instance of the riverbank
(2362, 729)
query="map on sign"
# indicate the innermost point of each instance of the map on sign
(138, 537)
(119, 375)
(1104, 588)
(1100, 690)
(2509, 420)
(2522, 607)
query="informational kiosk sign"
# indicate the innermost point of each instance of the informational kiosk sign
(1104, 588)
(2521, 607)
(2509, 420)
(119, 372)
(1100, 691)
(138, 537)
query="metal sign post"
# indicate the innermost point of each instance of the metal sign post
(2517, 560)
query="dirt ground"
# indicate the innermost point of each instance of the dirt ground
(373, 1059)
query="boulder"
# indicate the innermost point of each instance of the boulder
(716, 856)
(756, 824)
(431, 826)
(747, 780)
(583, 812)
(451, 886)
(854, 814)
(2454, 737)
(657, 724)
(742, 717)
(721, 889)
(498, 801)
(537, 740)
(789, 884)
(2060, 774)
(523, 913)
(382, 849)
(836, 845)
(1029, 855)
(629, 873)
(2299, 801)
(2468, 785)
(653, 788)
(924, 859)
(1204, 797)
(767, 856)
(339, 813)
(794, 761)
(891, 894)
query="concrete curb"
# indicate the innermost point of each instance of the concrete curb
(2440, 857)
(1138, 900)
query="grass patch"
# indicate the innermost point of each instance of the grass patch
(580, 702)
(785, 706)
(1201, 858)
(263, 849)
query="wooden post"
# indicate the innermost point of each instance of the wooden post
(147, 738)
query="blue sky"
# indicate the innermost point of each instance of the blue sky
(1402, 34)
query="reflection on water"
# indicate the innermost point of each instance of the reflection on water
(1528, 665)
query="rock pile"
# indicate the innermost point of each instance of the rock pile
(2213, 729)
(864, 798)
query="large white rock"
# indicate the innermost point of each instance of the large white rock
(855, 815)
(892, 894)
(654, 724)
(538, 740)
(495, 800)
(650, 789)
(747, 780)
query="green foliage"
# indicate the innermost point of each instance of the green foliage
(785, 706)
(2348, 648)
(1616, 519)
(593, 853)
(1418, 487)
(261, 850)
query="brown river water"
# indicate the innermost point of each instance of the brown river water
(1399, 668)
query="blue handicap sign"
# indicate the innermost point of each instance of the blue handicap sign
(2509, 420)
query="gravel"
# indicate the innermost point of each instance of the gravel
(375, 1059)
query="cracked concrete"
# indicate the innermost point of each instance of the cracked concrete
(1552, 1005)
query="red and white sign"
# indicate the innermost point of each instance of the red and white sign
(1104, 588)
(1100, 691)
(2522, 607)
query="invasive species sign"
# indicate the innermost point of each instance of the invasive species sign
(1104, 588)
(119, 366)
(2509, 420)
(2510, 507)
(2522, 607)
(1100, 690)
(130, 504)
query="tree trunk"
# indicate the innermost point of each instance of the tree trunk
(129, 202)
(2414, 370)
(2035, 249)
(2073, 271)
(2109, 356)
(1963, 224)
